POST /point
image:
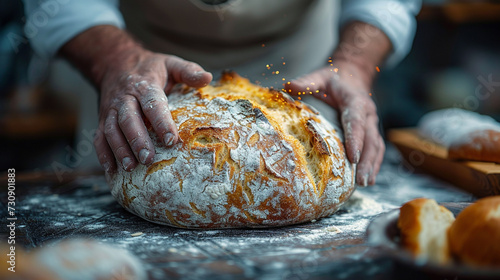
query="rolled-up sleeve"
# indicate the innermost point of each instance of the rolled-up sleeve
(52, 23)
(395, 18)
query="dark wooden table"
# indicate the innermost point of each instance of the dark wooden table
(333, 247)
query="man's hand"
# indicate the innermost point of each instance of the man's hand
(345, 85)
(132, 82)
(350, 96)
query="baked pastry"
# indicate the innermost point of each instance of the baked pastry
(474, 237)
(424, 225)
(466, 135)
(76, 259)
(249, 157)
(479, 145)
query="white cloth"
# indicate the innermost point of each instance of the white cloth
(246, 36)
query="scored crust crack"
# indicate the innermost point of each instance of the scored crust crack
(249, 157)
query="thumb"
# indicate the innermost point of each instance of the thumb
(183, 71)
(314, 84)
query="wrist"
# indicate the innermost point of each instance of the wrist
(360, 72)
(362, 47)
(98, 48)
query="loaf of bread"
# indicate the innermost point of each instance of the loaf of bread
(466, 135)
(249, 157)
(75, 259)
(424, 225)
(474, 237)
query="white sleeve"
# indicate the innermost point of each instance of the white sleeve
(51, 23)
(396, 18)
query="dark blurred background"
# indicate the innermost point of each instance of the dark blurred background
(47, 113)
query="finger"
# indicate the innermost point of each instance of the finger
(353, 120)
(305, 85)
(189, 73)
(104, 153)
(378, 162)
(118, 143)
(371, 149)
(154, 105)
(134, 130)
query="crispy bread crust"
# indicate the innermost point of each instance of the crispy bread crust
(249, 157)
(474, 237)
(481, 145)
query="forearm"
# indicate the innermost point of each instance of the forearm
(363, 46)
(93, 50)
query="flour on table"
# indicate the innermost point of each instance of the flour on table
(362, 204)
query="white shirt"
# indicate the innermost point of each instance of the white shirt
(268, 41)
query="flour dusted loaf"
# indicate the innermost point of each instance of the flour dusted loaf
(424, 227)
(466, 135)
(249, 157)
(479, 145)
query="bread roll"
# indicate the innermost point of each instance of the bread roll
(479, 145)
(475, 235)
(249, 157)
(424, 225)
(75, 259)
(467, 135)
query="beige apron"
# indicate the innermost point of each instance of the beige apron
(267, 41)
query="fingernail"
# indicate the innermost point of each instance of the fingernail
(169, 139)
(106, 166)
(143, 155)
(198, 74)
(126, 162)
(357, 157)
(365, 179)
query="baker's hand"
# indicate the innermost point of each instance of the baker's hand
(132, 82)
(348, 91)
(133, 90)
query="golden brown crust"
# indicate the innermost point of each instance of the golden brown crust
(475, 235)
(424, 225)
(72, 257)
(249, 157)
(409, 224)
(481, 145)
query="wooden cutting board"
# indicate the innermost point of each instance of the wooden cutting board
(479, 178)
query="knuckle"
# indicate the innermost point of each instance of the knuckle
(127, 108)
(136, 143)
(103, 158)
(109, 129)
(370, 105)
(347, 115)
(160, 126)
(381, 144)
(139, 84)
(173, 60)
(124, 119)
(122, 151)
(149, 103)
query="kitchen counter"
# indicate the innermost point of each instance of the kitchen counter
(330, 247)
